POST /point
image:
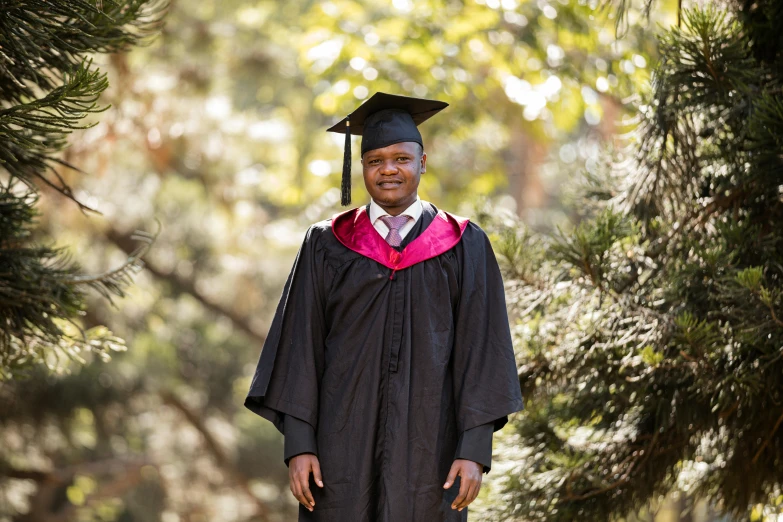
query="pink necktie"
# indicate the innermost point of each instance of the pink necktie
(395, 223)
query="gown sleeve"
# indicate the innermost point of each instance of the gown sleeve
(299, 438)
(476, 444)
(290, 367)
(486, 383)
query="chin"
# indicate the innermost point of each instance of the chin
(391, 199)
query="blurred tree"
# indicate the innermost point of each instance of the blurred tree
(48, 86)
(651, 335)
(219, 129)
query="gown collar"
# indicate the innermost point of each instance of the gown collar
(354, 230)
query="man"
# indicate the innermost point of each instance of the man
(389, 362)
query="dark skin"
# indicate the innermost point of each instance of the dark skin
(300, 467)
(391, 176)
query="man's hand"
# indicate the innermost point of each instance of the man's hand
(299, 468)
(470, 481)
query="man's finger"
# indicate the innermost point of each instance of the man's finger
(471, 495)
(317, 473)
(463, 502)
(295, 489)
(475, 492)
(468, 491)
(463, 492)
(452, 476)
(306, 491)
(478, 490)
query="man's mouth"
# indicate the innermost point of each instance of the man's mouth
(390, 184)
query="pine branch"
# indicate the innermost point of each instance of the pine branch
(767, 439)
(765, 135)
(702, 87)
(32, 131)
(622, 7)
(114, 281)
(43, 40)
(41, 293)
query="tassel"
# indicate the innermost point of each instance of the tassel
(346, 183)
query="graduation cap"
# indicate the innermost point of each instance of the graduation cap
(383, 120)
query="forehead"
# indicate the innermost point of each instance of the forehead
(409, 147)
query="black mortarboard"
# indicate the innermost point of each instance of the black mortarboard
(381, 121)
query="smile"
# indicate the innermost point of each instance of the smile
(389, 184)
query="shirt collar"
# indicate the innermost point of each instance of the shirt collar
(414, 210)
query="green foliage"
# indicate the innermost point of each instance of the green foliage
(32, 131)
(39, 326)
(650, 335)
(218, 128)
(49, 86)
(595, 246)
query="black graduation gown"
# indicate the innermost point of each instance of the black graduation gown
(474, 444)
(388, 366)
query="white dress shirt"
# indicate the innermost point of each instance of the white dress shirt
(414, 211)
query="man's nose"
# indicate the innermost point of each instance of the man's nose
(388, 167)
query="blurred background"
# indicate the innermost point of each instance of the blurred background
(217, 130)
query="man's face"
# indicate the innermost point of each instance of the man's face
(392, 173)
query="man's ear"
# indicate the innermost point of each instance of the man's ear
(423, 161)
